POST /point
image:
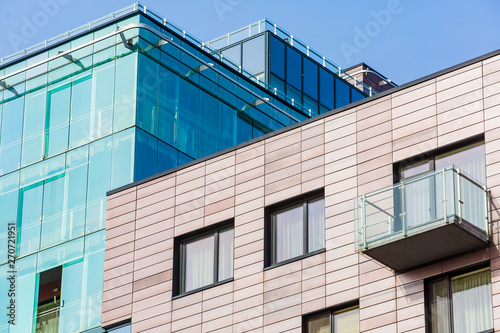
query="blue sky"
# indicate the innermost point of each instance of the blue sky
(402, 39)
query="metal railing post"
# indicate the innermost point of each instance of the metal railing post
(486, 221)
(459, 192)
(363, 220)
(445, 200)
(403, 212)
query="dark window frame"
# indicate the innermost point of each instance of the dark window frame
(431, 155)
(448, 276)
(270, 231)
(179, 256)
(116, 326)
(331, 310)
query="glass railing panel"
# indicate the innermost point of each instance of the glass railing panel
(471, 201)
(47, 318)
(419, 204)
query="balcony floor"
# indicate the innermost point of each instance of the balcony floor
(432, 245)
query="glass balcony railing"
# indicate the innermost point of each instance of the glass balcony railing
(419, 205)
(266, 24)
(47, 319)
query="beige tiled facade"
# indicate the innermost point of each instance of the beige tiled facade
(348, 154)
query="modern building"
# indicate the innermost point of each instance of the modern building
(379, 216)
(115, 101)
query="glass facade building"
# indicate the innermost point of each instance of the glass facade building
(116, 103)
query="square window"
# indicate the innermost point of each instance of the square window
(345, 320)
(203, 258)
(295, 228)
(460, 303)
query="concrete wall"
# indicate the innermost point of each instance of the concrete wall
(349, 153)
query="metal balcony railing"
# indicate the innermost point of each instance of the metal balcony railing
(418, 205)
(47, 320)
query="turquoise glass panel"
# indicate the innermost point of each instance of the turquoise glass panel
(188, 118)
(105, 49)
(70, 314)
(25, 294)
(75, 194)
(9, 196)
(49, 168)
(11, 135)
(16, 88)
(92, 279)
(125, 92)
(102, 101)
(146, 155)
(36, 76)
(53, 228)
(57, 121)
(28, 232)
(99, 182)
(81, 97)
(34, 126)
(147, 95)
(60, 254)
(122, 170)
(4, 297)
(169, 107)
(244, 130)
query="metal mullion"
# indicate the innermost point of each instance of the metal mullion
(305, 229)
(450, 302)
(216, 257)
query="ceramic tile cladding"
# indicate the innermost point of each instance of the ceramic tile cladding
(342, 156)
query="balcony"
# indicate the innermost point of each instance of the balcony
(423, 220)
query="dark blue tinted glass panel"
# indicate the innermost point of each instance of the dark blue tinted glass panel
(278, 83)
(145, 155)
(310, 78)
(209, 124)
(227, 119)
(356, 95)
(244, 130)
(188, 118)
(183, 158)
(253, 55)
(169, 106)
(147, 95)
(277, 57)
(167, 156)
(294, 94)
(326, 89)
(293, 68)
(234, 54)
(311, 104)
(342, 92)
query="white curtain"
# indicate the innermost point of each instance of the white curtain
(472, 302)
(199, 263)
(289, 233)
(346, 321)
(440, 306)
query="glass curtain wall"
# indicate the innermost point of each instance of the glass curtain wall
(95, 119)
(66, 138)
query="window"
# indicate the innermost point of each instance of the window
(295, 228)
(460, 303)
(423, 198)
(123, 327)
(345, 320)
(49, 300)
(203, 258)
